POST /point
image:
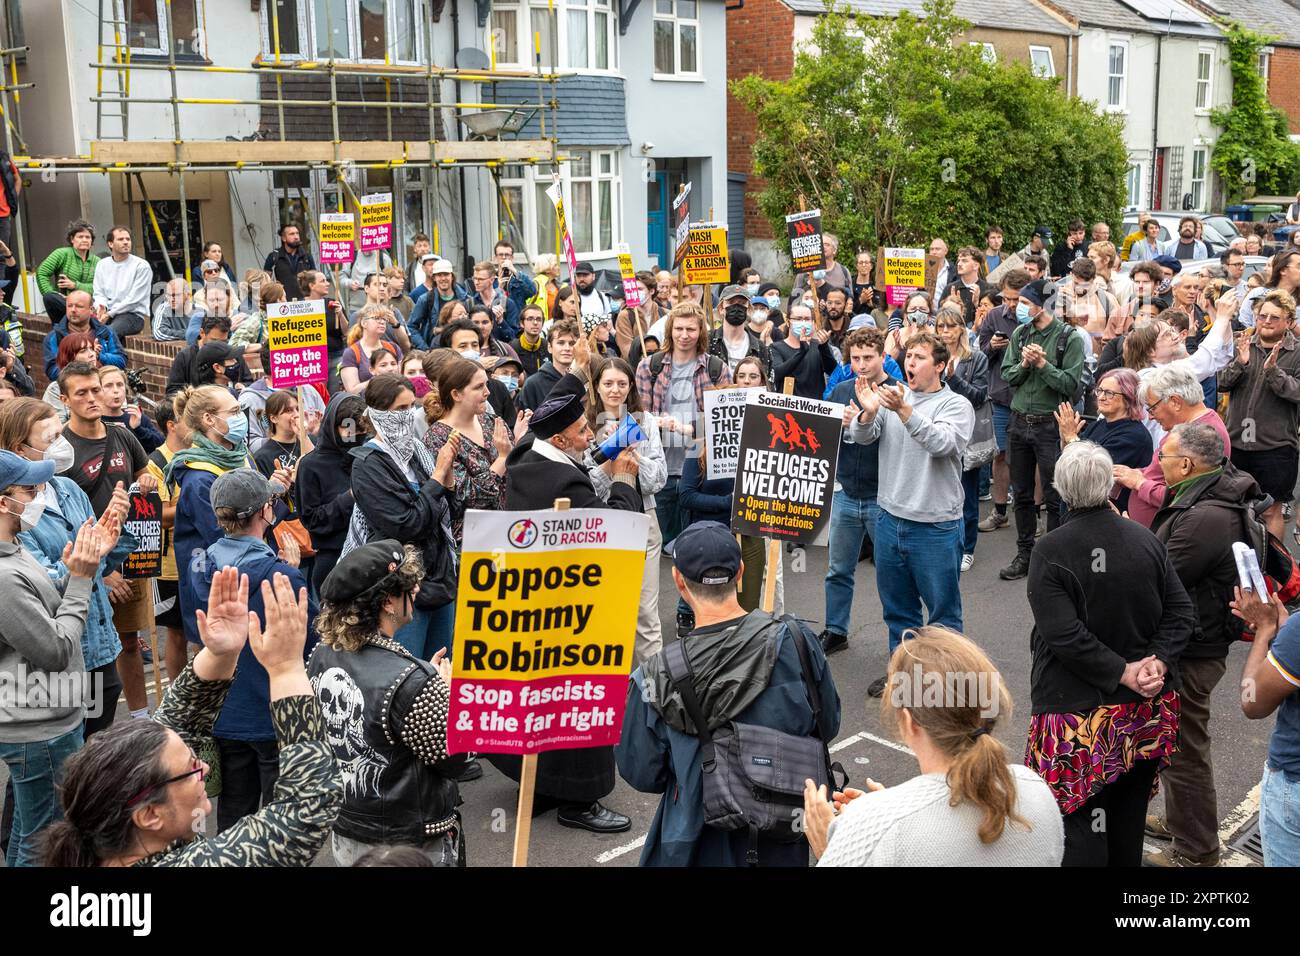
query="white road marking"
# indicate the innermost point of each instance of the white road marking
(616, 852)
(1232, 823)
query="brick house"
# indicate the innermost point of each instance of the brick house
(762, 36)
(1279, 63)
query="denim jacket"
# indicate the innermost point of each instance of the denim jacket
(45, 542)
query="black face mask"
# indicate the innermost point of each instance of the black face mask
(736, 314)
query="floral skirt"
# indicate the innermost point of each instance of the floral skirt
(1078, 754)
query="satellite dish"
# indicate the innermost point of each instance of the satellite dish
(472, 58)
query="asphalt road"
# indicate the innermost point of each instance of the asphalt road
(996, 615)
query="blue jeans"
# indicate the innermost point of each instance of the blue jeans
(35, 770)
(669, 512)
(1279, 819)
(970, 510)
(917, 561)
(1001, 418)
(429, 631)
(851, 520)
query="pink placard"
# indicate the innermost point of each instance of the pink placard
(551, 713)
(631, 293)
(336, 252)
(897, 294)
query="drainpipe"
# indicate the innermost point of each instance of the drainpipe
(1155, 125)
(464, 224)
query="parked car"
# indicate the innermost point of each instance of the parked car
(1218, 229)
(1212, 267)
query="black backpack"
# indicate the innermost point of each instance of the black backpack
(1063, 343)
(753, 776)
(658, 360)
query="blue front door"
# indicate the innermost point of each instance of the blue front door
(657, 217)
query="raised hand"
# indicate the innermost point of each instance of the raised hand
(223, 628)
(278, 647)
(501, 437)
(446, 456)
(1261, 613)
(1068, 421)
(868, 399)
(442, 665)
(817, 816)
(1243, 348)
(290, 552)
(521, 424)
(851, 411)
(147, 484)
(82, 555)
(1271, 361)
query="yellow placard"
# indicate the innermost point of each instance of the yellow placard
(706, 260)
(337, 228)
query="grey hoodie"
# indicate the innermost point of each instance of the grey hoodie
(42, 670)
(920, 462)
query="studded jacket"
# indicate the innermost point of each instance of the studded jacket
(386, 721)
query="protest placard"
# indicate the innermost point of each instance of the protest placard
(376, 222)
(545, 620)
(706, 260)
(785, 475)
(296, 334)
(904, 273)
(631, 288)
(804, 230)
(144, 520)
(338, 237)
(556, 197)
(724, 410)
(1008, 263)
(682, 209)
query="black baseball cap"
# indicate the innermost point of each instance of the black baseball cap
(707, 553)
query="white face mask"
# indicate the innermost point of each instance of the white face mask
(471, 354)
(61, 453)
(32, 511)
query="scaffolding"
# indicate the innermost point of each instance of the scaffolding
(131, 159)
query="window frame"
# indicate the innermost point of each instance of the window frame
(1051, 61)
(1134, 196)
(122, 12)
(522, 56)
(1123, 44)
(1207, 84)
(1203, 152)
(988, 52)
(534, 176)
(677, 74)
(309, 34)
(1264, 66)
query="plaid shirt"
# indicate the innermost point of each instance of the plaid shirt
(654, 395)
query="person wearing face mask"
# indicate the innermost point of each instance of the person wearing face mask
(403, 491)
(539, 470)
(218, 431)
(1043, 375)
(31, 429)
(41, 623)
(244, 504)
(804, 355)
(323, 486)
(732, 341)
(402, 788)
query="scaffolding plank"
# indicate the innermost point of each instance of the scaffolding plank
(506, 151)
(199, 152)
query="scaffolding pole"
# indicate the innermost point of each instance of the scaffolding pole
(177, 142)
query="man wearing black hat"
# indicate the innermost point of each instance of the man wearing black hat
(385, 711)
(539, 470)
(744, 667)
(1040, 244)
(1044, 373)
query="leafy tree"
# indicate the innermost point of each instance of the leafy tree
(898, 130)
(1254, 154)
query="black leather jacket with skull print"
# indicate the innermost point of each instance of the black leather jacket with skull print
(386, 720)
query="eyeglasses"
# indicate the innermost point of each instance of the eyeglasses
(1151, 409)
(1163, 457)
(197, 767)
(1107, 393)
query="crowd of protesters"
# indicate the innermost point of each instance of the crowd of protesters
(1138, 401)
